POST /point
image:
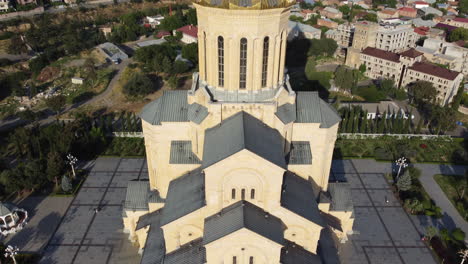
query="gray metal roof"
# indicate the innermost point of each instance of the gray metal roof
(243, 215)
(286, 113)
(311, 109)
(6, 208)
(148, 219)
(300, 153)
(298, 196)
(155, 248)
(294, 254)
(181, 153)
(137, 195)
(197, 113)
(170, 107)
(340, 193)
(222, 95)
(242, 131)
(185, 195)
(191, 253)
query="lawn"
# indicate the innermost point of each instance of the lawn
(454, 187)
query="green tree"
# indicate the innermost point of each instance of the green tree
(173, 82)
(191, 17)
(458, 34)
(458, 97)
(56, 103)
(443, 119)
(404, 182)
(463, 6)
(422, 91)
(414, 205)
(55, 167)
(190, 52)
(371, 17)
(138, 85)
(362, 68)
(458, 235)
(179, 67)
(171, 23)
(66, 184)
(431, 231)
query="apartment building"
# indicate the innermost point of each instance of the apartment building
(458, 22)
(445, 81)
(327, 23)
(407, 67)
(330, 12)
(395, 37)
(408, 12)
(343, 34)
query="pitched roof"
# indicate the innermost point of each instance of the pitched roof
(243, 215)
(190, 30)
(300, 153)
(293, 254)
(148, 219)
(137, 195)
(434, 70)
(461, 19)
(311, 109)
(242, 131)
(412, 53)
(197, 113)
(420, 3)
(382, 54)
(170, 107)
(181, 153)
(287, 112)
(407, 9)
(185, 195)
(298, 197)
(191, 253)
(155, 247)
(6, 208)
(340, 193)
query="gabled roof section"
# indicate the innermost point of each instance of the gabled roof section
(434, 70)
(381, 54)
(300, 153)
(148, 219)
(172, 106)
(197, 113)
(293, 254)
(137, 195)
(243, 215)
(155, 248)
(185, 195)
(242, 131)
(298, 197)
(181, 153)
(286, 113)
(311, 109)
(340, 193)
(191, 253)
(6, 208)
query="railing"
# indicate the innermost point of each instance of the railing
(127, 134)
(399, 136)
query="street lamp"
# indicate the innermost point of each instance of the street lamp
(401, 163)
(72, 161)
(11, 252)
(464, 255)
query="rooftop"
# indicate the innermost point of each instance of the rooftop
(190, 30)
(461, 19)
(434, 70)
(382, 54)
(412, 53)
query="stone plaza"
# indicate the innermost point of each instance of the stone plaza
(384, 232)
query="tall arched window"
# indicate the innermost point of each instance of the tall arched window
(220, 61)
(252, 194)
(243, 194)
(279, 58)
(233, 193)
(251, 260)
(266, 44)
(243, 64)
(234, 260)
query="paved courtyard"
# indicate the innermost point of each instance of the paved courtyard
(384, 232)
(88, 237)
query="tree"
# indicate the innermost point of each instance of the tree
(423, 91)
(414, 205)
(171, 23)
(55, 167)
(404, 182)
(66, 184)
(463, 6)
(431, 231)
(190, 52)
(458, 97)
(56, 103)
(191, 17)
(362, 68)
(371, 17)
(139, 84)
(443, 119)
(458, 235)
(180, 67)
(458, 34)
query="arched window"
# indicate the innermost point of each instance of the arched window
(243, 64)
(252, 194)
(233, 194)
(251, 260)
(220, 61)
(266, 44)
(234, 260)
(243, 194)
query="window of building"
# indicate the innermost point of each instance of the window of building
(243, 194)
(234, 260)
(251, 260)
(243, 64)
(252, 194)
(266, 44)
(220, 61)
(233, 194)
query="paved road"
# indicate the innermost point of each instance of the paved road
(432, 188)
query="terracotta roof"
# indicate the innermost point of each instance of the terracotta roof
(388, 12)
(461, 19)
(412, 53)
(162, 34)
(434, 70)
(386, 55)
(307, 11)
(420, 3)
(407, 9)
(420, 31)
(189, 30)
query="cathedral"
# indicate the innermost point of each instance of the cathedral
(239, 165)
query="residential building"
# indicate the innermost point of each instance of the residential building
(327, 23)
(430, 33)
(407, 12)
(239, 165)
(381, 64)
(112, 52)
(420, 4)
(419, 22)
(458, 22)
(189, 34)
(26, 2)
(387, 13)
(343, 34)
(154, 21)
(307, 14)
(105, 30)
(299, 30)
(330, 12)
(445, 81)
(429, 10)
(4, 5)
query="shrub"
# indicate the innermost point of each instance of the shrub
(458, 235)
(139, 84)
(415, 173)
(382, 154)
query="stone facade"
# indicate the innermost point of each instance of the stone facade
(239, 165)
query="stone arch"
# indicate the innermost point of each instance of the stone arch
(243, 179)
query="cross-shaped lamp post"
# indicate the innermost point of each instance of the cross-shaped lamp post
(72, 161)
(401, 163)
(464, 255)
(11, 252)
